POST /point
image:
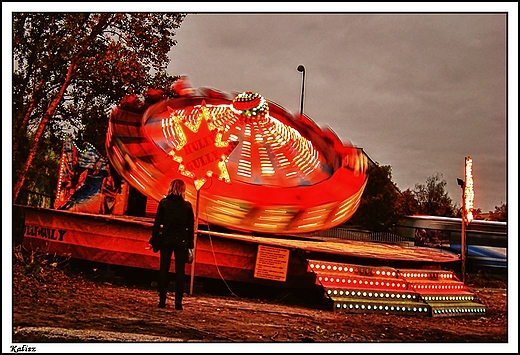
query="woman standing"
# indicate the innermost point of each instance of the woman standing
(172, 233)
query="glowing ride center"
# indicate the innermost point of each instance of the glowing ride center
(257, 167)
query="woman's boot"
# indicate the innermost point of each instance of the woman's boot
(162, 300)
(178, 302)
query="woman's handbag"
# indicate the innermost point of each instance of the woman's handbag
(156, 241)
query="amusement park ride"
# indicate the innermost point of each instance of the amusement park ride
(262, 182)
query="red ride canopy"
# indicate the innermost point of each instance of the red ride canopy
(258, 168)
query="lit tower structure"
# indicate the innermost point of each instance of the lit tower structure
(468, 196)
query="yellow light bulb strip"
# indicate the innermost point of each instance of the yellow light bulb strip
(363, 307)
(421, 274)
(318, 266)
(437, 286)
(469, 194)
(448, 298)
(60, 176)
(458, 311)
(372, 294)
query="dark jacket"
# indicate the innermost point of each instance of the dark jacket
(177, 220)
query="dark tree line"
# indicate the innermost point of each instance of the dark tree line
(382, 204)
(69, 71)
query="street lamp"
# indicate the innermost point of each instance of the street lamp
(301, 69)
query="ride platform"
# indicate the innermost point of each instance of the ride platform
(347, 271)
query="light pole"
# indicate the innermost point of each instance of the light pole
(462, 184)
(195, 235)
(468, 196)
(301, 69)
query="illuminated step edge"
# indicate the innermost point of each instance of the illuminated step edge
(368, 289)
(370, 295)
(381, 302)
(449, 297)
(356, 306)
(317, 267)
(361, 281)
(419, 274)
(426, 286)
(457, 309)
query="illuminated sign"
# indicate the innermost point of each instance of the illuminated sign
(199, 150)
(468, 190)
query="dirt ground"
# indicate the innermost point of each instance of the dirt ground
(60, 302)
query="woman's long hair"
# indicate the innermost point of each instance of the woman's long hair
(177, 187)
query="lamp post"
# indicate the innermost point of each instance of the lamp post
(467, 209)
(301, 69)
(195, 235)
(462, 184)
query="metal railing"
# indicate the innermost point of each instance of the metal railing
(381, 237)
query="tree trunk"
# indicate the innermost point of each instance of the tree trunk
(104, 21)
(41, 127)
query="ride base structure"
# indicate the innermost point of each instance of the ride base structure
(263, 183)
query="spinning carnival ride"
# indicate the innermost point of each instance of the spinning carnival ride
(250, 167)
(249, 164)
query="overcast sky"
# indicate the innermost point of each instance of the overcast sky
(418, 91)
